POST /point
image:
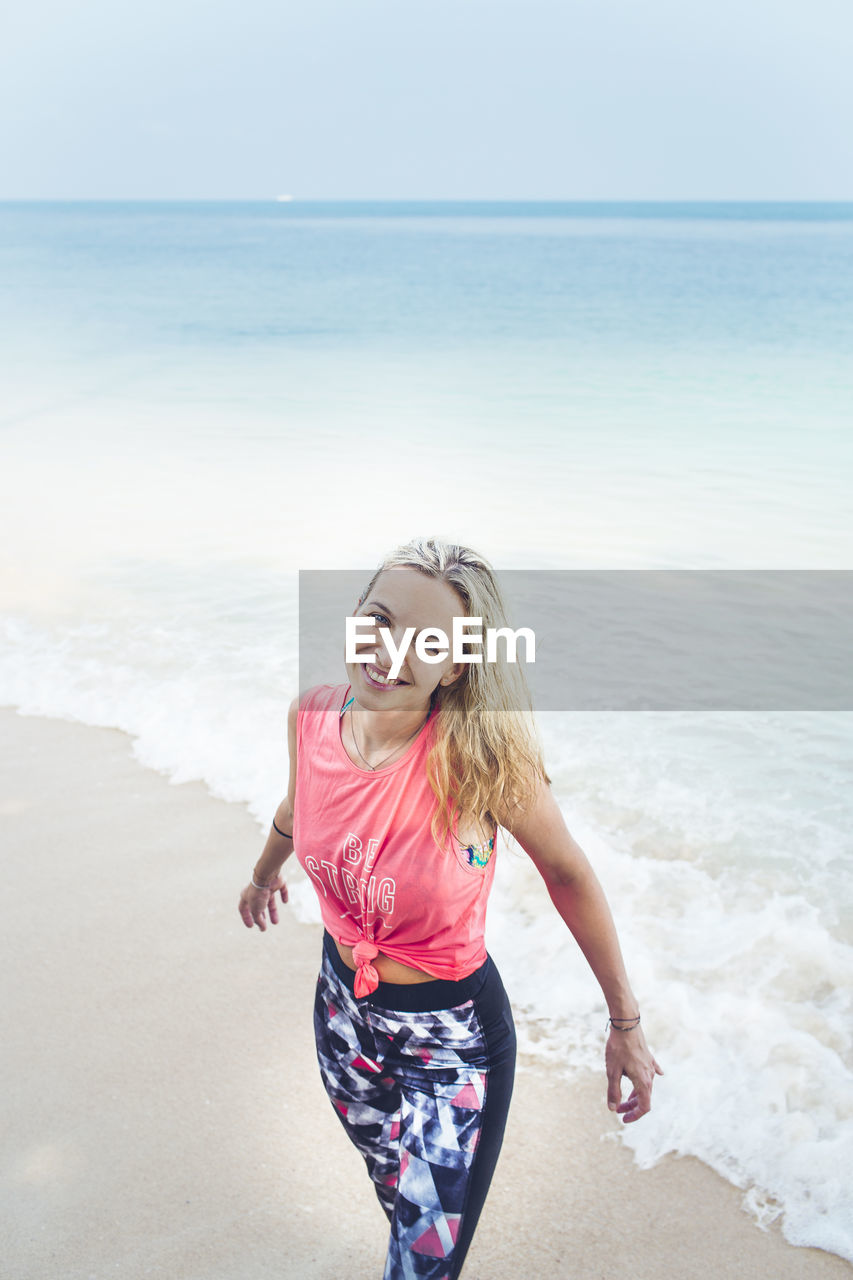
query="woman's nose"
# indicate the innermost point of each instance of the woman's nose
(384, 658)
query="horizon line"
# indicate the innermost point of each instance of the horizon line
(309, 199)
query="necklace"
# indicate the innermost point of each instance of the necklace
(385, 759)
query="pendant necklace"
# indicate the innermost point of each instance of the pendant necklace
(374, 767)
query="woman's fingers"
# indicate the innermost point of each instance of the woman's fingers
(628, 1055)
(245, 910)
(639, 1102)
(278, 888)
(614, 1089)
(637, 1105)
(255, 904)
(627, 1108)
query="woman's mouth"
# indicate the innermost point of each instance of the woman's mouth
(378, 678)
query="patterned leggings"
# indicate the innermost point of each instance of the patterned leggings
(421, 1077)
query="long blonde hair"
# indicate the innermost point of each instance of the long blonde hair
(486, 757)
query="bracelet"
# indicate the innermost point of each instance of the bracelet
(635, 1022)
(258, 886)
(280, 832)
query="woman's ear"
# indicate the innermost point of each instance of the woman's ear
(451, 676)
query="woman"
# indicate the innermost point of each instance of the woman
(397, 788)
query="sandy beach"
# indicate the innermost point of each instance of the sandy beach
(163, 1113)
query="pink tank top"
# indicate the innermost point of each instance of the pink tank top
(364, 839)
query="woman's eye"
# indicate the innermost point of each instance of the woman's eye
(380, 618)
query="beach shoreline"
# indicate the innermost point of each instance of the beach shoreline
(163, 1110)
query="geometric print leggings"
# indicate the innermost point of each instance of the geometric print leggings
(420, 1076)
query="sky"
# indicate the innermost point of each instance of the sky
(451, 99)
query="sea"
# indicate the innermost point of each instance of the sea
(201, 400)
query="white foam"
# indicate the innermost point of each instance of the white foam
(747, 1007)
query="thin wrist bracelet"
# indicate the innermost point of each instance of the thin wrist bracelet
(635, 1022)
(258, 886)
(280, 832)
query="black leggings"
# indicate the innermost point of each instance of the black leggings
(420, 1076)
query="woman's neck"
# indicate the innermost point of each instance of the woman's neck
(380, 731)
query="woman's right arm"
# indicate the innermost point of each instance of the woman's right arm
(254, 902)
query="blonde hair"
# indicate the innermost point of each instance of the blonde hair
(486, 758)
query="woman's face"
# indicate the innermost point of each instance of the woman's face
(399, 599)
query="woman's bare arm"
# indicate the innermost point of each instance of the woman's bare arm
(579, 898)
(254, 902)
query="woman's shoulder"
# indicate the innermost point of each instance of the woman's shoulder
(314, 715)
(322, 697)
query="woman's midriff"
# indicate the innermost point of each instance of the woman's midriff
(389, 970)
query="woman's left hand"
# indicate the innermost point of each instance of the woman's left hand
(627, 1054)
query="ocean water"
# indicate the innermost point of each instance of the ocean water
(200, 400)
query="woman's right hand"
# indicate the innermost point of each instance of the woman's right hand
(256, 903)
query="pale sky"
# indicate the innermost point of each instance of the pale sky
(488, 99)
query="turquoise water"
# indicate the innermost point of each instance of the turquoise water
(556, 355)
(200, 400)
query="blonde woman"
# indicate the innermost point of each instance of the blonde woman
(397, 788)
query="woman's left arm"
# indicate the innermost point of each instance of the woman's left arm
(579, 898)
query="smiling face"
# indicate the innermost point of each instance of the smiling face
(402, 598)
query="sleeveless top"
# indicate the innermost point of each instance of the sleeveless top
(364, 839)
